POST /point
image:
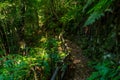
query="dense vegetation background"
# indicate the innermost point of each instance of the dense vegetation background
(33, 34)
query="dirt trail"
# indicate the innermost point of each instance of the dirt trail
(78, 69)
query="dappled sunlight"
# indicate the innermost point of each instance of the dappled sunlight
(59, 40)
(43, 39)
(39, 58)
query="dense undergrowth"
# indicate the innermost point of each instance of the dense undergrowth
(26, 55)
(38, 64)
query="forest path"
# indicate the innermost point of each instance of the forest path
(78, 69)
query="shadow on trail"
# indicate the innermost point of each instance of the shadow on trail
(78, 69)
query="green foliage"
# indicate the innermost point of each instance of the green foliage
(93, 17)
(97, 11)
(19, 67)
(93, 21)
(13, 68)
(105, 70)
(99, 43)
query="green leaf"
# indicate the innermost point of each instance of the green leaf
(93, 76)
(93, 17)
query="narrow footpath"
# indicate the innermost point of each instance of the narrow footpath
(78, 69)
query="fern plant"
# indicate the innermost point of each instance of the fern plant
(97, 11)
(106, 70)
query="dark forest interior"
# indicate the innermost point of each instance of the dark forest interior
(59, 39)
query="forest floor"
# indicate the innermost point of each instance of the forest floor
(78, 69)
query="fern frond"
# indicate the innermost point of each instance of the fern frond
(93, 17)
(97, 11)
(100, 6)
(89, 2)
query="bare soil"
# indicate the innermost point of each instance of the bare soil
(78, 69)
